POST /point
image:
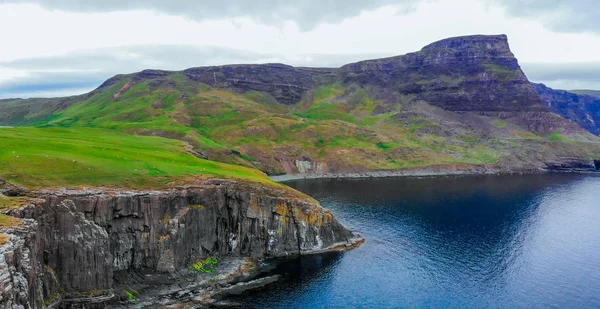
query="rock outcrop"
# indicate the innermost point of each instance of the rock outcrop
(473, 73)
(285, 83)
(582, 109)
(77, 239)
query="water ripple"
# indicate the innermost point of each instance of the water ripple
(470, 242)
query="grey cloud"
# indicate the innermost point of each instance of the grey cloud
(558, 15)
(307, 13)
(87, 69)
(134, 58)
(565, 75)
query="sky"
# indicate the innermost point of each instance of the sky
(52, 48)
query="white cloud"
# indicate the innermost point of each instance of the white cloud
(103, 41)
(306, 13)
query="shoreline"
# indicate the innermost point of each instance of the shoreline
(404, 173)
(426, 173)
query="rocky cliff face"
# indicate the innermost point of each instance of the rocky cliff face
(78, 239)
(582, 109)
(473, 73)
(285, 83)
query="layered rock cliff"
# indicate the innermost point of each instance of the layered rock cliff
(474, 73)
(77, 239)
(582, 109)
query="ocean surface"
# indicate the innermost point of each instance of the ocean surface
(450, 242)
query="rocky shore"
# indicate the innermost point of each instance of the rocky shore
(100, 247)
(435, 172)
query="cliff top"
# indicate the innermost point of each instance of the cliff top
(54, 157)
(497, 42)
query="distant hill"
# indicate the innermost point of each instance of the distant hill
(593, 93)
(460, 103)
(581, 108)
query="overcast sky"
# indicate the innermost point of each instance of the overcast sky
(64, 47)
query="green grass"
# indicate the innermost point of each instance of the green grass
(41, 157)
(206, 265)
(558, 137)
(500, 124)
(333, 124)
(9, 202)
(8, 221)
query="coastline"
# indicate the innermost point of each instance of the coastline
(426, 172)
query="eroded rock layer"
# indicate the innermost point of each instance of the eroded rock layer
(77, 239)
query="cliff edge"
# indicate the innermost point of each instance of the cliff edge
(75, 243)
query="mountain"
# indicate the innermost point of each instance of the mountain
(122, 182)
(458, 104)
(581, 108)
(593, 93)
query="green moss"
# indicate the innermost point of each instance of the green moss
(9, 202)
(131, 294)
(499, 123)
(206, 265)
(8, 221)
(558, 137)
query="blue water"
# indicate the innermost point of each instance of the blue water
(469, 242)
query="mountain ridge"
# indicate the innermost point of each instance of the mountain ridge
(462, 100)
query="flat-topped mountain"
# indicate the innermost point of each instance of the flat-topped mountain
(474, 73)
(460, 103)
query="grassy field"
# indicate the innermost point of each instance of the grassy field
(47, 157)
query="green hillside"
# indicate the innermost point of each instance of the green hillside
(438, 107)
(248, 129)
(333, 124)
(48, 157)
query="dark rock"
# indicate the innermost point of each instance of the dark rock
(582, 109)
(83, 237)
(285, 83)
(472, 73)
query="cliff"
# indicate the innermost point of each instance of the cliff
(473, 73)
(459, 103)
(76, 241)
(580, 108)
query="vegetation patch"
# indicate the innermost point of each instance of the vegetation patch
(558, 137)
(131, 294)
(11, 202)
(206, 265)
(525, 135)
(8, 221)
(4, 238)
(500, 124)
(81, 156)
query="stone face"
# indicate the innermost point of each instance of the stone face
(21, 276)
(85, 236)
(473, 73)
(285, 83)
(582, 109)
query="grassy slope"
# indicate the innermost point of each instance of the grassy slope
(217, 121)
(333, 124)
(36, 157)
